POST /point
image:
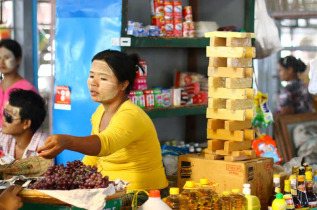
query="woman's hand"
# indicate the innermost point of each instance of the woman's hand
(54, 145)
(9, 198)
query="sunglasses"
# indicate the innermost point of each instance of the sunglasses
(9, 118)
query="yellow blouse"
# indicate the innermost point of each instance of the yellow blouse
(130, 149)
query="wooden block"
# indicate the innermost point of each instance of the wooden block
(249, 114)
(237, 42)
(249, 134)
(217, 103)
(219, 62)
(238, 104)
(239, 62)
(224, 114)
(215, 124)
(213, 156)
(229, 34)
(250, 93)
(237, 125)
(229, 93)
(249, 72)
(222, 152)
(215, 144)
(230, 72)
(223, 134)
(217, 41)
(231, 146)
(216, 82)
(245, 156)
(231, 52)
(238, 82)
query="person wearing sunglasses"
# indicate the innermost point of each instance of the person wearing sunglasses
(10, 60)
(21, 132)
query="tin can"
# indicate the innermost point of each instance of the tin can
(157, 7)
(169, 27)
(160, 22)
(149, 98)
(140, 98)
(157, 98)
(177, 9)
(166, 97)
(178, 27)
(187, 13)
(142, 73)
(168, 9)
(186, 26)
(133, 97)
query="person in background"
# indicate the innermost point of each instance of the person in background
(294, 98)
(21, 134)
(9, 199)
(10, 60)
(123, 142)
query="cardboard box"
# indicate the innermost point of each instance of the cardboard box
(229, 175)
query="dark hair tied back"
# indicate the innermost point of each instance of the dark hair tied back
(290, 61)
(123, 66)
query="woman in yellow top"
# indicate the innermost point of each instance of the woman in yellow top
(123, 142)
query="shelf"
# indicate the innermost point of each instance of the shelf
(197, 109)
(294, 14)
(168, 42)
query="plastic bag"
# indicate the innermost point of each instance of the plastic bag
(170, 158)
(267, 39)
(265, 146)
(312, 87)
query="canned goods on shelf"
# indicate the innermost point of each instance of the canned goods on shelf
(177, 9)
(168, 9)
(157, 7)
(187, 13)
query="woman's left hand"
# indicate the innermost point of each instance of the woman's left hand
(54, 145)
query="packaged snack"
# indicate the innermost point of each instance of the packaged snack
(265, 146)
(263, 115)
(184, 78)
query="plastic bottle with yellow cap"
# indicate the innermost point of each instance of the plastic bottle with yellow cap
(241, 201)
(253, 201)
(207, 193)
(175, 201)
(192, 195)
(229, 202)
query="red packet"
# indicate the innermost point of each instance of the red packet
(265, 146)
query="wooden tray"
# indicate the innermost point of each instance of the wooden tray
(34, 196)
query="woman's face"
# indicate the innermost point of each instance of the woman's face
(286, 74)
(102, 82)
(8, 63)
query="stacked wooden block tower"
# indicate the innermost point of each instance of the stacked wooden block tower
(230, 95)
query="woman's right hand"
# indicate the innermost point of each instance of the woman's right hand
(54, 145)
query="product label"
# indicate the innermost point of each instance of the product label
(186, 170)
(289, 201)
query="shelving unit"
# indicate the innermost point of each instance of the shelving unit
(195, 109)
(168, 42)
(293, 14)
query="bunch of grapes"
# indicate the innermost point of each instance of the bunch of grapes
(75, 175)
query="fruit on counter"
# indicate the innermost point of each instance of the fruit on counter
(75, 175)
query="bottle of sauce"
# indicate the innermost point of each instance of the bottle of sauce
(312, 200)
(276, 189)
(301, 188)
(288, 196)
(293, 182)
